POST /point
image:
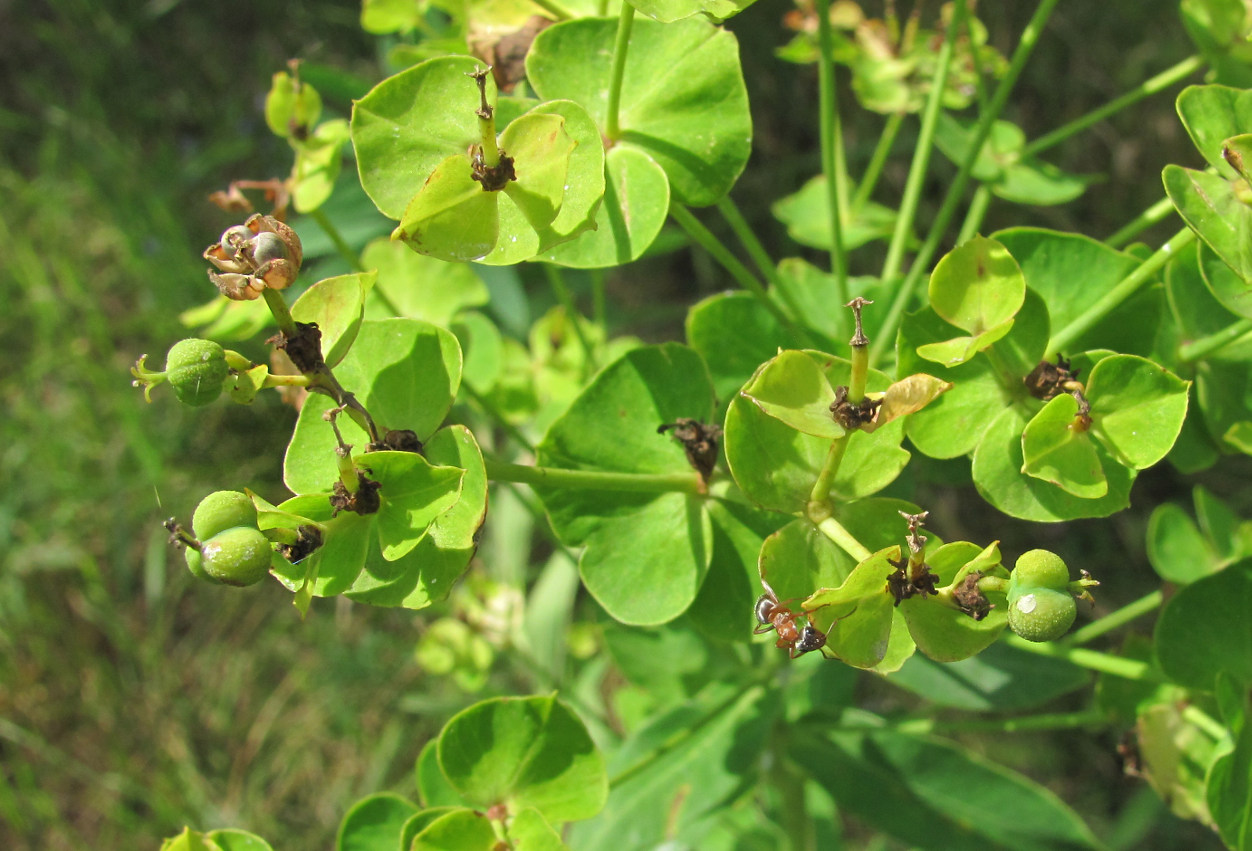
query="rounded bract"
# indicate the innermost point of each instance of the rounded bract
(1042, 614)
(220, 511)
(196, 369)
(239, 556)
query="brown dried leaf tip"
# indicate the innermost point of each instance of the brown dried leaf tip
(699, 442)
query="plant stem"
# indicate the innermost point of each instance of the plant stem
(561, 13)
(830, 133)
(747, 238)
(1115, 620)
(558, 477)
(976, 213)
(846, 541)
(877, 160)
(819, 497)
(1140, 223)
(929, 726)
(1161, 81)
(1067, 336)
(956, 189)
(598, 311)
(557, 281)
(612, 128)
(922, 151)
(500, 420)
(1210, 725)
(1130, 669)
(341, 245)
(282, 314)
(703, 237)
(1205, 346)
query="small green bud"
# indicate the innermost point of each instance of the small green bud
(220, 511)
(196, 369)
(1042, 614)
(1038, 569)
(239, 556)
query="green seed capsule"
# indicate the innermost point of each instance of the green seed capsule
(195, 563)
(1042, 614)
(239, 556)
(220, 511)
(196, 369)
(1038, 569)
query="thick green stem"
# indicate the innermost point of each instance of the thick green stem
(922, 152)
(1067, 336)
(1161, 81)
(831, 135)
(703, 237)
(1115, 620)
(617, 73)
(557, 281)
(595, 480)
(1205, 346)
(877, 160)
(845, 540)
(1140, 223)
(956, 189)
(1130, 669)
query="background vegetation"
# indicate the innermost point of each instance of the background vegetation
(131, 703)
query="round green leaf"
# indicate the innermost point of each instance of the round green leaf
(524, 752)
(451, 217)
(541, 150)
(806, 213)
(483, 347)
(1205, 630)
(459, 830)
(1234, 292)
(1176, 549)
(667, 11)
(374, 822)
(1056, 451)
(318, 160)
(941, 632)
(288, 105)
(1001, 166)
(732, 583)
(798, 559)
(530, 831)
(416, 286)
(433, 788)
(346, 541)
(1214, 209)
(336, 305)
(792, 388)
(636, 204)
(230, 839)
(669, 69)
(585, 176)
(406, 374)
(977, 286)
(861, 611)
(1213, 114)
(1137, 408)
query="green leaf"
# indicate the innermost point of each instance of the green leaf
(541, 150)
(793, 389)
(1234, 292)
(336, 305)
(524, 752)
(483, 349)
(416, 286)
(387, 16)
(1204, 630)
(433, 788)
(1176, 549)
(374, 822)
(999, 679)
(318, 160)
(798, 559)
(584, 187)
(1212, 114)
(861, 611)
(1001, 167)
(684, 101)
(933, 794)
(1229, 784)
(230, 839)
(732, 583)
(1213, 207)
(977, 287)
(997, 475)
(531, 832)
(410, 123)
(403, 371)
(806, 213)
(1057, 449)
(451, 217)
(412, 494)
(1137, 408)
(459, 830)
(290, 105)
(667, 11)
(940, 631)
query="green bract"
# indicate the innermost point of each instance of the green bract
(239, 556)
(220, 511)
(196, 369)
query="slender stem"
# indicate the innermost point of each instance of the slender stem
(1066, 337)
(928, 726)
(922, 151)
(1210, 725)
(976, 213)
(555, 8)
(877, 160)
(612, 128)
(703, 237)
(598, 311)
(747, 238)
(956, 189)
(828, 122)
(341, 245)
(1115, 620)
(1205, 346)
(282, 314)
(845, 540)
(557, 477)
(1161, 81)
(819, 497)
(557, 281)
(1140, 223)
(274, 380)
(493, 413)
(1130, 669)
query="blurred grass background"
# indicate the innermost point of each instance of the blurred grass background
(131, 702)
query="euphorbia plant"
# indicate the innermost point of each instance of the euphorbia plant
(734, 485)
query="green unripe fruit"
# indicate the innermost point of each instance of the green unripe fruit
(1042, 614)
(220, 511)
(1038, 569)
(239, 556)
(196, 369)
(195, 563)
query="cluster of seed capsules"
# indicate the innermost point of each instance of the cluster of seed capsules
(796, 640)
